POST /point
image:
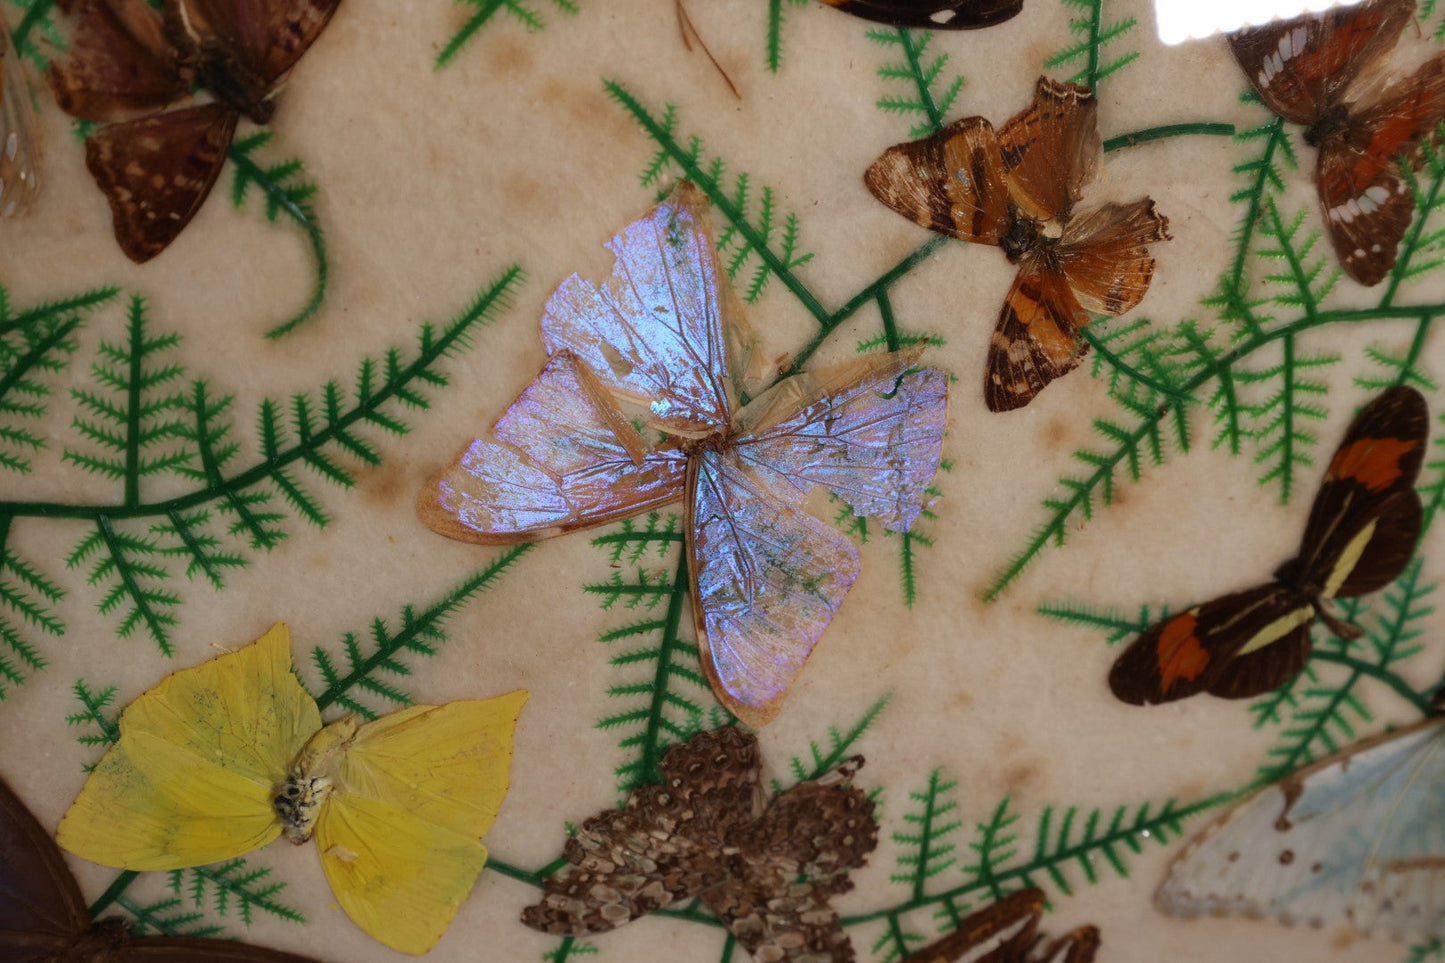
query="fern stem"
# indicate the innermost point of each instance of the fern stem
(37, 11)
(530, 877)
(1133, 138)
(775, 35)
(869, 292)
(1417, 345)
(112, 893)
(1256, 192)
(423, 625)
(485, 10)
(686, 161)
(1128, 370)
(300, 212)
(925, 833)
(24, 364)
(1054, 529)
(646, 770)
(85, 302)
(925, 95)
(136, 351)
(1095, 26)
(1359, 667)
(155, 623)
(396, 387)
(1410, 242)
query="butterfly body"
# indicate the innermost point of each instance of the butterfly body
(1360, 534)
(133, 68)
(1017, 188)
(665, 332)
(1327, 73)
(932, 14)
(707, 832)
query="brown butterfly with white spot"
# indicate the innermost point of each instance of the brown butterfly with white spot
(128, 64)
(932, 14)
(1327, 72)
(19, 145)
(1008, 932)
(1016, 188)
(767, 871)
(43, 918)
(1361, 533)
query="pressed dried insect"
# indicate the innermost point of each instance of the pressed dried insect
(932, 14)
(1008, 932)
(19, 143)
(1015, 188)
(128, 64)
(1361, 532)
(767, 871)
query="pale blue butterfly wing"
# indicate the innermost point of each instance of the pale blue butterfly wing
(1357, 838)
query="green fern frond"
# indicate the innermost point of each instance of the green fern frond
(286, 191)
(775, 32)
(926, 103)
(36, 31)
(1093, 36)
(234, 884)
(1432, 949)
(840, 746)
(131, 566)
(1283, 440)
(35, 345)
(665, 696)
(166, 918)
(753, 233)
(102, 727)
(482, 12)
(1115, 626)
(419, 634)
(925, 850)
(28, 598)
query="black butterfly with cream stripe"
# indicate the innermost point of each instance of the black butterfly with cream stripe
(1360, 534)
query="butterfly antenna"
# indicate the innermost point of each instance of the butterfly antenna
(1344, 630)
(686, 28)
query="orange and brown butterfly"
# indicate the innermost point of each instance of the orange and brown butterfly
(1008, 932)
(1327, 72)
(1016, 188)
(1360, 534)
(128, 64)
(43, 918)
(932, 14)
(767, 869)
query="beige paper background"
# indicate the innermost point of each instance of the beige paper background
(434, 181)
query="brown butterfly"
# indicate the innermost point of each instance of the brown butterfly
(1016, 188)
(1360, 534)
(19, 146)
(1327, 72)
(128, 64)
(1008, 932)
(767, 872)
(932, 14)
(43, 918)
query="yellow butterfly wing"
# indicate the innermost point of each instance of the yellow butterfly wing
(199, 758)
(414, 792)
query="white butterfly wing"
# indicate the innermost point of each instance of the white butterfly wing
(1355, 838)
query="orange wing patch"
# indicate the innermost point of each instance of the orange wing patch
(1180, 654)
(1373, 462)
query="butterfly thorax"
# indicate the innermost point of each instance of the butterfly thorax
(228, 77)
(298, 801)
(1329, 125)
(1028, 237)
(691, 446)
(1294, 575)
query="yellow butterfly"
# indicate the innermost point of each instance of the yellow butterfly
(220, 759)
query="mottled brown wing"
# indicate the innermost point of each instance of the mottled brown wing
(1078, 946)
(667, 845)
(268, 35)
(951, 182)
(1036, 340)
(41, 911)
(120, 64)
(157, 171)
(1302, 66)
(1103, 254)
(932, 14)
(1364, 193)
(818, 831)
(1050, 149)
(1003, 931)
(1234, 647)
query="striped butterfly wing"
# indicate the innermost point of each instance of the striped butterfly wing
(1354, 838)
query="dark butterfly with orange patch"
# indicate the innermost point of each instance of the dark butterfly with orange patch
(1327, 72)
(1016, 188)
(932, 14)
(43, 918)
(1360, 534)
(1008, 932)
(767, 871)
(128, 64)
